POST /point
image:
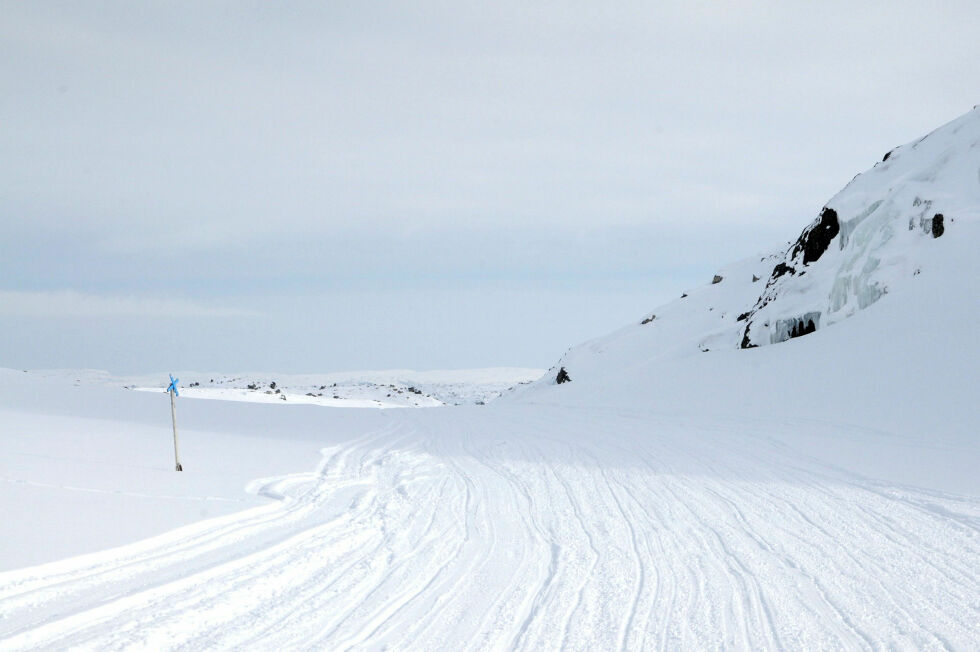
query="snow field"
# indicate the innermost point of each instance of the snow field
(467, 530)
(682, 492)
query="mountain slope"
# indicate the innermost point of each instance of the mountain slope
(893, 306)
(910, 221)
(869, 237)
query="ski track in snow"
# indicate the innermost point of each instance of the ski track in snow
(490, 529)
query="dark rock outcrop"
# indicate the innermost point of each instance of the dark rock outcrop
(780, 270)
(808, 248)
(817, 238)
(746, 342)
(563, 376)
(717, 279)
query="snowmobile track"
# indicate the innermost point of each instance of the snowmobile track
(484, 529)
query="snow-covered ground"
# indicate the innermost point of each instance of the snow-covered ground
(527, 527)
(88, 464)
(699, 484)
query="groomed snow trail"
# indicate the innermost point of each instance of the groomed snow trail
(536, 528)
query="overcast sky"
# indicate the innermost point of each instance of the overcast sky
(328, 186)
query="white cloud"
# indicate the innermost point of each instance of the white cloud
(69, 303)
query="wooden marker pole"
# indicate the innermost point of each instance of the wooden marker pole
(173, 415)
(172, 390)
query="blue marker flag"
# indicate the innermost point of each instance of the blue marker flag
(173, 385)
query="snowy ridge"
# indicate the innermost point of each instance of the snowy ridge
(880, 235)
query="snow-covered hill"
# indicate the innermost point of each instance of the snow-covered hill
(872, 238)
(884, 284)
